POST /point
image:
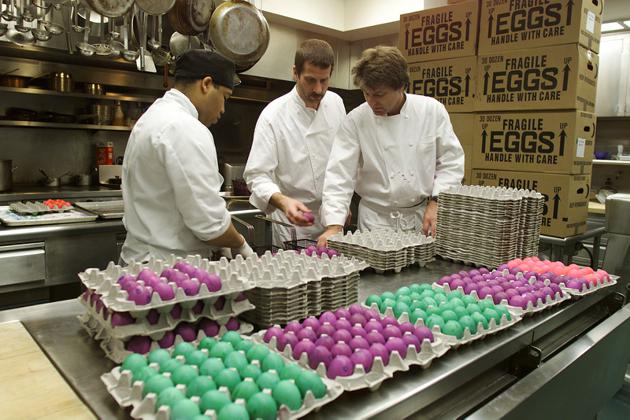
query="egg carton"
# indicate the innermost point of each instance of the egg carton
(128, 394)
(115, 298)
(531, 309)
(372, 380)
(36, 207)
(114, 348)
(468, 337)
(166, 321)
(611, 281)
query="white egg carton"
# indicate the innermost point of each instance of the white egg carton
(379, 372)
(166, 322)
(36, 207)
(591, 288)
(115, 350)
(104, 282)
(127, 393)
(468, 337)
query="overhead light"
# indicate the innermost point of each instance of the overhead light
(612, 26)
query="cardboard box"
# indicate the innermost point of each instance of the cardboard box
(463, 128)
(439, 33)
(518, 24)
(451, 82)
(566, 197)
(562, 77)
(551, 142)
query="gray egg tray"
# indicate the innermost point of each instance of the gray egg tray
(127, 393)
(36, 207)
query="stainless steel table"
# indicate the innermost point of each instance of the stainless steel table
(80, 360)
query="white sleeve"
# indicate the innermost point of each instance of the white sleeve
(449, 168)
(261, 164)
(341, 174)
(192, 168)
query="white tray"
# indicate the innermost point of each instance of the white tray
(72, 216)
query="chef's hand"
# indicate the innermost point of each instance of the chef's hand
(429, 223)
(292, 208)
(245, 250)
(330, 231)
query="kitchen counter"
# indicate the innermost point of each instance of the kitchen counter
(81, 361)
(68, 192)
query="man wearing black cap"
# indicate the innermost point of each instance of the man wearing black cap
(171, 179)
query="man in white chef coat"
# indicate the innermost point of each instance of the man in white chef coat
(170, 179)
(396, 150)
(291, 146)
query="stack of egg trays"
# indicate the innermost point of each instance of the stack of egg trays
(373, 379)
(482, 225)
(339, 292)
(534, 203)
(126, 393)
(386, 249)
(36, 207)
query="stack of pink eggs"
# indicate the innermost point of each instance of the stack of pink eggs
(346, 338)
(313, 250)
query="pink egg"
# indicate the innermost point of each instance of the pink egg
(498, 297)
(375, 337)
(423, 333)
(358, 342)
(319, 354)
(176, 312)
(357, 318)
(233, 324)
(396, 344)
(362, 357)
(340, 366)
(358, 330)
(186, 331)
(355, 308)
(274, 331)
(325, 340)
(329, 317)
(164, 290)
(312, 322)
(518, 301)
(212, 282)
(303, 346)
(342, 335)
(209, 327)
(379, 350)
(373, 325)
(343, 324)
(342, 313)
(185, 267)
(146, 275)
(139, 344)
(287, 339)
(444, 280)
(308, 333)
(122, 318)
(167, 340)
(293, 326)
(484, 291)
(341, 349)
(326, 328)
(153, 317)
(388, 320)
(127, 281)
(391, 331)
(411, 340)
(190, 286)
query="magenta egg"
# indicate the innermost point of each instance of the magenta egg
(186, 331)
(308, 333)
(303, 346)
(444, 280)
(167, 273)
(503, 267)
(343, 324)
(373, 325)
(555, 288)
(371, 314)
(388, 320)
(498, 297)
(341, 349)
(147, 275)
(127, 281)
(329, 317)
(190, 286)
(164, 290)
(340, 366)
(332, 253)
(518, 301)
(212, 282)
(358, 342)
(153, 317)
(319, 354)
(473, 272)
(209, 327)
(379, 350)
(355, 308)
(293, 326)
(141, 295)
(139, 344)
(497, 289)
(271, 332)
(326, 328)
(522, 290)
(342, 335)
(178, 277)
(455, 276)
(457, 283)
(477, 278)
(233, 324)
(411, 340)
(122, 318)
(167, 340)
(219, 304)
(391, 331)
(357, 318)
(493, 282)
(325, 340)
(423, 333)
(358, 330)
(362, 357)
(468, 288)
(312, 322)
(406, 327)
(198, 308)
(342, 313)
(185, 267)
(375, 337)
(176, 312)
(484, 291)
(483, 270)
(396, 344)
(287, 339)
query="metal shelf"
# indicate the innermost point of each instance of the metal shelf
(38, 124)
(611, 162)
(107, 96)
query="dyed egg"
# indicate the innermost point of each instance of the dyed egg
(214, 400)
(362, 357)
(341, 349)
(262, 406)
(196, 357)
(184, 374)
(304, 346)
(245, 389)
(144, 374)
(169, 365)
(250, 371)
(326, 329)
(396, 344)
(209, 327)
(229, 378)
(287, 339)
(212, 367)
(158, 356)
(207, 343)
(274, 331)
(342, 335)
(139, 344)
(222, 349)
(272, 361)
(340, 366)
(134, 362)
(359, 342)
(233, 324)
(479, 318)
(373, 299)
(186, 331)
(184, 410)
(325, 341)
(287, 393)
(236, 359)
(169, 396)
(245, 345)
(199, 386)
(268, 380)
(156, 384)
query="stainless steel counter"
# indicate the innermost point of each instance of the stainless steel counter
(80, 360)
(35, 192)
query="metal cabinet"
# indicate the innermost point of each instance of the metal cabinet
(22, 263)
(613, 80)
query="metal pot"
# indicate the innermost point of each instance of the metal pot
(6, 174)
(102, 113)
(94, 89)
(14, 81)
(61, 82)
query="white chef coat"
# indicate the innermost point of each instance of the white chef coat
(171, 183)
(289, 154)
(393, 162)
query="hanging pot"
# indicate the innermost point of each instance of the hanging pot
(155, 7)
(191, 17)
(111, 8)
(239, 31)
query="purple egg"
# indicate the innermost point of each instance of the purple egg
(538, 285)
(303, 346)
(371, 314)
(176, 312)
(555, 288)
(329, 317)
(209, 327)
(379, 350)
(406, 327)
(164, 290)
(510, 277)
(540, 295)
(326, 329)
(444, 280)
(153, 317)
(185, 267)
(574, 284)
(530, 298)
(325, 340)
(141, 295)
(127, 281)
(396, 344)
(340, 366)
(332, 253)
(319, 354)
(293, 326)
(341, 349)
(343, 324)
(515, 270)
(321, 250)
(388, 320)
(274, 331)
(457, 283)
(219, 304)
(522, 290)
(139, 344)
(463, 273)
(492, 282)
(147, 275)
(240, 297)
(190, 286)
(373, 325)
(358, 342)
(423, 333)
(375, 337)
(358, 330)
(308, 333)
(497, 289)
(503, 267)
(510, 293)
(342, 335)
(233, 324)
(167, 273)
(518, 301)
(342, 313)
(455, 276)
(484, 291)
(411, 340)
(391, 331)
(477, 278)
(357, 318)
(468, 288)
(178, 277)
(473, 272)
(167, 340)
(355, 308)
(467, 280)
(481, 284)
(498, 297)
(362, 357)
(186, 331)
(312, 322)
(198, 308)
(122, 318)
(483, 270)
(212, 282)
(287, 338)
(529, 274)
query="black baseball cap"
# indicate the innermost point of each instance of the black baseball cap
(198, 63)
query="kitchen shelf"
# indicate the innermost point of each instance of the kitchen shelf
(611, 162)
(107, 96)
(39, 124)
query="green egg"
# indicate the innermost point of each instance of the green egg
(184, 374)
(415, 296)
(311, 381)
(449, 315)
(212, 367)
(207, 343)
(156, 384)
(403, 291)
(446, 306)
(467, 322)
(200, 417)
(419, 305)
(453, 328)
(232, 337)
(387, 303)
(250, 371)
(134, 362)
(237, 360)
(245, 390)
(228, 378)
(468, 299)
(485, 303)
(471, 308)
(502, 310)
(429, 301)
(262, 406)
(388, 295)
(455, 294)
(144, 374)
(490, 313)
(273, 361)
(290, 371)
(373, 299)
(184, 410)
(404, 299)
(460, 311)
(433, 310)
(169, 365)
(233, 411)
(440, 297)
(455, 302)
(199, 386)
(221, 349)
(478, 317)
(183, 348)
(258, 352)
(268, 380)
(169, 396)
(425, 286)
(427, 293)
(400, 309)
(434, 320)
(196, 357)
(214, 400)
(287, 393)
(245, 345)
(158, 356)
(415, 288)
(417, 314)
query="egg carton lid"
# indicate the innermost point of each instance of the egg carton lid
(165, 323)
(379, 372)
(127, 393)
(496, 193)
(611, 281)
